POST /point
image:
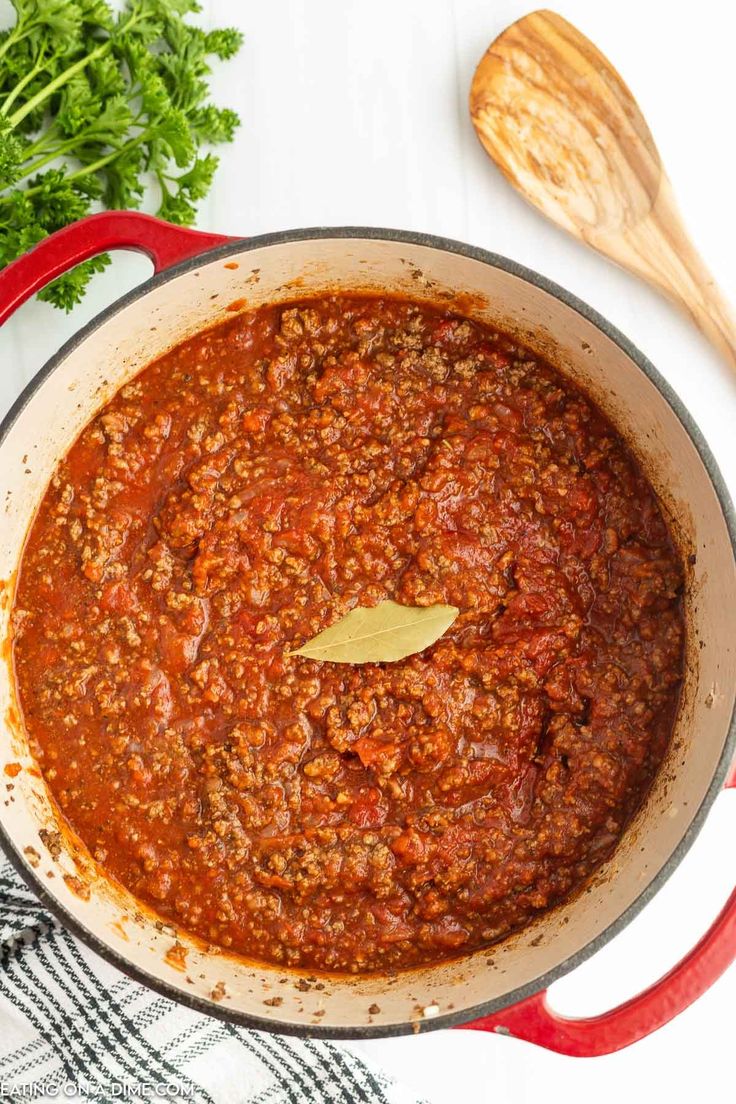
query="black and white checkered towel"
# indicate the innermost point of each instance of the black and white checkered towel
(73, 1026)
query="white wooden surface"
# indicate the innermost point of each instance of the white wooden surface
(355, 113)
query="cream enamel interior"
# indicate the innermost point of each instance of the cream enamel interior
(146, 327)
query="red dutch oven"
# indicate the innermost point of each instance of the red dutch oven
(198, 279)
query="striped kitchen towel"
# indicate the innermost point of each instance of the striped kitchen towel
(73, 1026)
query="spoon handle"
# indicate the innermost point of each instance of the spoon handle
(658, 249)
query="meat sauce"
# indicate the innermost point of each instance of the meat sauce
(243, 493)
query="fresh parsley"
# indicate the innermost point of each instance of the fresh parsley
(95, 109)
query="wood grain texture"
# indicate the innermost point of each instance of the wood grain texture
(564, 128)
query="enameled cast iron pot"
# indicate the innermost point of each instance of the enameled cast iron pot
(199, 278)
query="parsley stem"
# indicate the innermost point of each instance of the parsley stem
(56, 84)
(85, 170)
(14, 38)
(13, 95)
(108, 157)
(59, 81)
(43, 141)
(56, 151)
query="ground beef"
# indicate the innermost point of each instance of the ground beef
(243, 493)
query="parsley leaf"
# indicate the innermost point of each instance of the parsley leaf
(102, 109)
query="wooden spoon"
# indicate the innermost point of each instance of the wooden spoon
(561, 124)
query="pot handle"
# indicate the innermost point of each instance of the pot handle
(536, 1022)
(163, 242)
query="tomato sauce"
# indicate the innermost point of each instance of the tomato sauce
(246, 491)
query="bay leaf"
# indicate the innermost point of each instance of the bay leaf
(379, 634)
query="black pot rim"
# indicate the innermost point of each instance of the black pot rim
(681, 412)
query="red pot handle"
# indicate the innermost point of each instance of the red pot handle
(534, 1021)
(164, 243)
